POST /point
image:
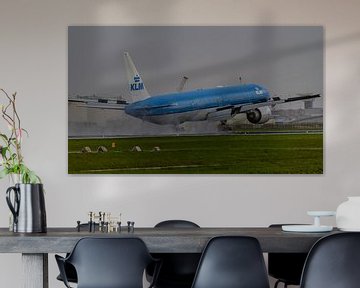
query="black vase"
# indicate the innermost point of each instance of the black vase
(28, 208)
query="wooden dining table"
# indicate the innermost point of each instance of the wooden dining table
(35, 247)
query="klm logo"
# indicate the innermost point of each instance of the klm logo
(138, 85)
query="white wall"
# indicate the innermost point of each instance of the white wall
(33, 62)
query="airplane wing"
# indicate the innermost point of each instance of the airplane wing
(272, 102)
(182, 84)
(223, 113)
(99, 103)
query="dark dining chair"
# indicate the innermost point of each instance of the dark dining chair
(70, 271)
(108, 263)
(178, 269)
(286, 267)
(333, 262)
(232, 262)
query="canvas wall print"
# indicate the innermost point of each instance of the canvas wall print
(195, 100)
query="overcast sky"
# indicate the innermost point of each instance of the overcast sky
(286, 60)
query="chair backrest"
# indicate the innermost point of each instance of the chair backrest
(178, 269)
(176, 224)
(333, 262)
(110, 262)
(232, 262)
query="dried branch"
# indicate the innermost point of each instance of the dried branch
(11, 156)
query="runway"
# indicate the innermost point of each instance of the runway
(226, 133)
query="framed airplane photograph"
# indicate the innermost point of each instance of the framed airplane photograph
(195, 100)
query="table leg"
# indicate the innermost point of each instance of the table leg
(35, 270)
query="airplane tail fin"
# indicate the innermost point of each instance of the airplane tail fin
(136, 85)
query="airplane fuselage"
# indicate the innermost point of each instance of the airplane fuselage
(196, 105)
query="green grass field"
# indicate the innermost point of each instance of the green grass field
(236, 154)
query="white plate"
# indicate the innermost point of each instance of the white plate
(350, 229)
(321, 213)
(306, 228)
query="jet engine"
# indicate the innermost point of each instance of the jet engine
(259, 115)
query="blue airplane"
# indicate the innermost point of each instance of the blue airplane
(212, 104)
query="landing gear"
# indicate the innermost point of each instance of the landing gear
(179, 129)
(224, 126)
